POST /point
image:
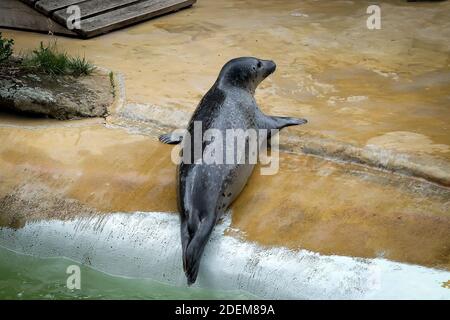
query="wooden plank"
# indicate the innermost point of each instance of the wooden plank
(91, 8)
(130, 15)
(29, 2)
(17, 15)
(48, 6)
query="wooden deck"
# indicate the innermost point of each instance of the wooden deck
(17, 15)
(102, 16)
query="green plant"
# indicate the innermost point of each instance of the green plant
(80, 66)
(113, 84)
(6, 48)
(50, 60)
(47, 59)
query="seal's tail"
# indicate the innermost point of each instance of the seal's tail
(194, 237)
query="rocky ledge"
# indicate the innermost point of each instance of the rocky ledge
(60, 97)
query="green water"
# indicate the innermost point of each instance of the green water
(28, 277)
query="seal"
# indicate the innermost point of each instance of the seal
(205, 191)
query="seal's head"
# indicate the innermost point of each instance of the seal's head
(246, 72)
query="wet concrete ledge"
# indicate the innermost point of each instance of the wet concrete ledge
(153, 120)
(420, 166)
(69, 169)
(146, 245)
(331, 207)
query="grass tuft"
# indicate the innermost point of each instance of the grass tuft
(80, 66)
(48, 59)
(6, 48)
(113, 84)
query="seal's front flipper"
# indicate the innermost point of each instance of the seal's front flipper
(278, 123)
(170, 138)
(281, 122)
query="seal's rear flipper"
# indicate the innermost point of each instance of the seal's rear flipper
(195, 248)
(170, 138)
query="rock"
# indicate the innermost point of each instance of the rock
(60, 97)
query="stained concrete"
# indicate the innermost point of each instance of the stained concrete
(368, 176)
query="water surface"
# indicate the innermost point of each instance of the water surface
(28, 277)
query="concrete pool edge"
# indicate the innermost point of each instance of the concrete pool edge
(147, 245)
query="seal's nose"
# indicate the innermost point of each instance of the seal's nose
(269, 67)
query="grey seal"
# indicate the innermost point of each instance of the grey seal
(205, 191)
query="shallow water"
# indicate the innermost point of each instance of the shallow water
(28, 277)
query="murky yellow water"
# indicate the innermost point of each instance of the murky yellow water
(352, 83)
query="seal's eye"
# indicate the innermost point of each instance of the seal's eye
(259, 64)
